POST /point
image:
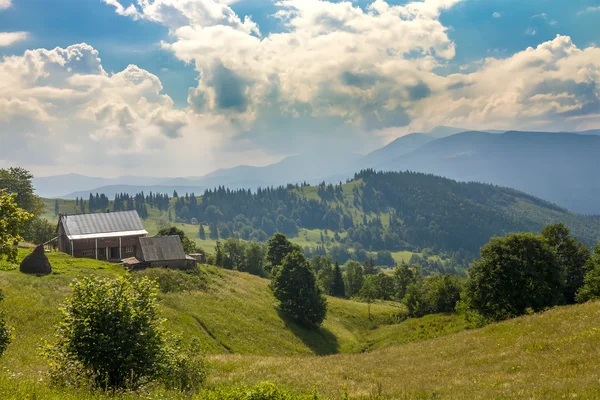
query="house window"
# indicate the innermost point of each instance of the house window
(129, 249)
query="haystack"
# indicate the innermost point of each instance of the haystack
(36, 263)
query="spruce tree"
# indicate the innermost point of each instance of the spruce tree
(295, 286)
(202, 233)
(337, 283)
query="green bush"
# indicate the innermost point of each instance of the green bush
(263, 391)
(184, 371)
(5, 330)
(171, 281)
(111, 337)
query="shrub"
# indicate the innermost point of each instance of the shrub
(263, 391)
(5, 330)
(112, 337)
(184, 371)
(170, 280)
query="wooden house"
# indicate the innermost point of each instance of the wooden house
(103, 236)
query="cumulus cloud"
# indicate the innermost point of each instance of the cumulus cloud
(497, 14)
(58, 102)
(334, 61)
(9, 38)
(4, 4)
(553, 86)
(336, 76)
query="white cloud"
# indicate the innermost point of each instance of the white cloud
(337, 75)
(9, 38)
(551, 86)
(540, 16)
(497, 14)
(589, 10)
(530, 31)
(4, 4)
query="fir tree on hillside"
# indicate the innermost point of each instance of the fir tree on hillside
(295, 286)
(337, 283)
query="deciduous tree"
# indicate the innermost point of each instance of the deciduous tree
(12, 220)
(515, 273)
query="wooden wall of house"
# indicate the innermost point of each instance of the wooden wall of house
(86, 248)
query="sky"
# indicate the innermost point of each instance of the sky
(184, 87)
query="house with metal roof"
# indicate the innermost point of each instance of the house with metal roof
(160, 252)
(104, 236)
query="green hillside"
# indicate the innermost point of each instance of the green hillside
(234, 316)
(547, 356)
(228, 311)
(376, 213)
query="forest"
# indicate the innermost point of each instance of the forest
(370, 215)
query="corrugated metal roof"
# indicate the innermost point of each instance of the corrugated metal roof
(162, 248)
(102, 223)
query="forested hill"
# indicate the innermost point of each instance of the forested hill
(383, 211)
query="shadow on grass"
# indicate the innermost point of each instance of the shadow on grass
(320, 340)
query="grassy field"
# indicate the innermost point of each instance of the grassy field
(550, 355)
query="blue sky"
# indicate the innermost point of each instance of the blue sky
(122, 41)
(444, 44)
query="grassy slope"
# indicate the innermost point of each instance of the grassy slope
(234, 314)
(550, 355)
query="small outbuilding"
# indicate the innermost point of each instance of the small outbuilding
(160, 252)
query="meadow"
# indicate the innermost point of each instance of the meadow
(247, 341)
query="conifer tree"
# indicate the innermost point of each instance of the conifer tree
(337, 283)
(295, 286)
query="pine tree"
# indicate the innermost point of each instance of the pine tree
(295, 286)
(202, 233)
(337, 283)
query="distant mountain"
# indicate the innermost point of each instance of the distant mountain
(403, 145)
(59, 185)
(309, 168)
(111, 190)
(591, 132)
(560, 167)
(444, 131)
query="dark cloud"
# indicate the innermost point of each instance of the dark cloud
(583, 95)
(363, 81)
(230, 89)
(459, 85)
(419, 92)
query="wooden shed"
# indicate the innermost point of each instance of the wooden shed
(162, 252)
(103, 236)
